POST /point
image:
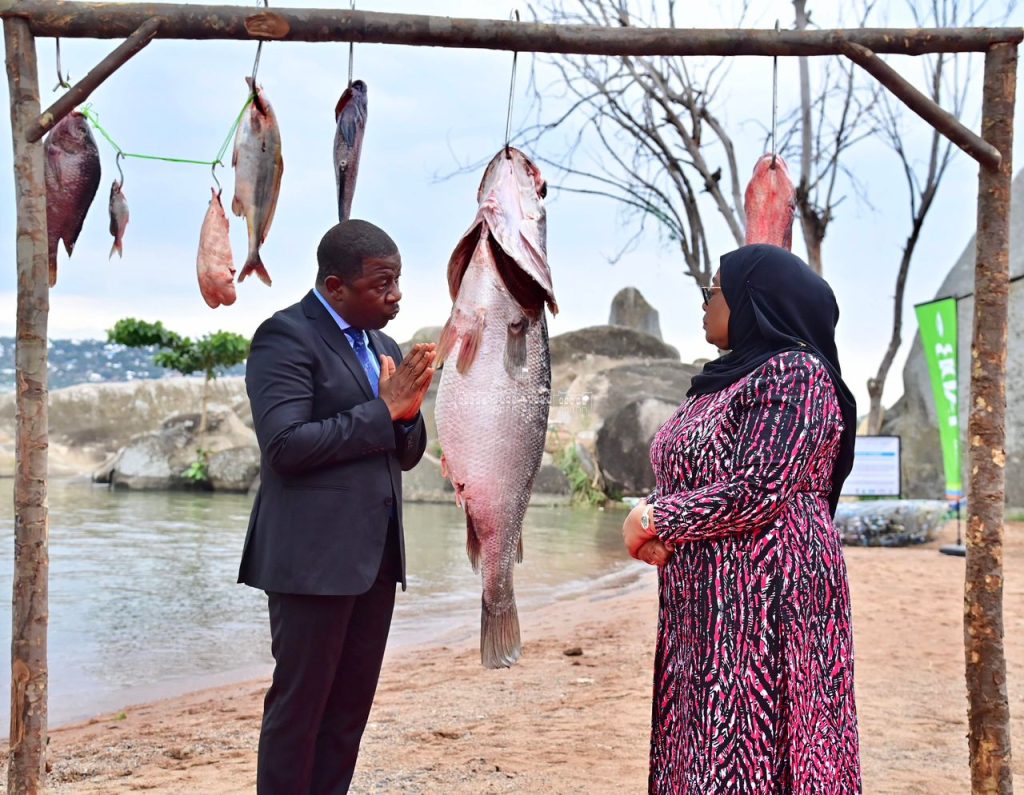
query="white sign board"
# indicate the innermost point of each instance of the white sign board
(876, 468)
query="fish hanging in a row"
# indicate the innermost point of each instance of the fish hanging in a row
(770, 203)
(71, 172)
(350, 117)
(495, 392)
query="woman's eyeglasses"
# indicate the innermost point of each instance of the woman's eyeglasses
(707, 292)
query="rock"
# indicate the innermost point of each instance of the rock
(630, 309)
(89, 422)
(610, 342)
(426, 334)
(889, 523)
(424, 483)
(551, 480)
(913, 416)
(233, 469)
(160, 459)
(623, 445)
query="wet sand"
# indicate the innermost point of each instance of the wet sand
(561, 723)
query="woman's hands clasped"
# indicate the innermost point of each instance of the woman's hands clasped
(644, 545)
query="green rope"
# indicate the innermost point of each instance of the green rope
(93, 117)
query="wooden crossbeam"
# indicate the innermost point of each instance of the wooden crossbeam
(943, 121)
(78, 93)
(118, 20)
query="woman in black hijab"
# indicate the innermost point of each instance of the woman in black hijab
(754, 666)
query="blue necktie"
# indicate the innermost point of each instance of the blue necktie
(355, 335)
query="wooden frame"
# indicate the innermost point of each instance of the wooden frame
(24, 20)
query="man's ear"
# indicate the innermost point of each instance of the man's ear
(334, 286)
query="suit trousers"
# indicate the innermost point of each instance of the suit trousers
(327, 654)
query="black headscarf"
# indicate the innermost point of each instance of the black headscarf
(776, 304)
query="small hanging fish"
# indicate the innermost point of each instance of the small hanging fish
(214, 263)
(350, 115)
(118, 217)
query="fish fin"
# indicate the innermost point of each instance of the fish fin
(500, 645)
(515, 347)
(444, 344)
(472, 544)
(255, 265)
(53, 271)
(342, 216)
(236, 205)
(519, 549)
(444, 466)
(116, 247)
(471, 342)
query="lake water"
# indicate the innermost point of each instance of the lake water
(144, 604)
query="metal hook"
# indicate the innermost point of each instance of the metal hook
(511, 91)
(62, 82)
(351, 50)
(213, 173)
(775, 101)
(117, 162)
(259, 50)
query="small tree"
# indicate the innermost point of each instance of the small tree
(210, 354)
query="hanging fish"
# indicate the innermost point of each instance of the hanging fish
(492, 404)
(214, 264)
(118, 217)
(258, 168)
(72, 176)
(350, 115)
(770, 203)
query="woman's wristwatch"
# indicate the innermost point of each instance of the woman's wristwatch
(645, 517)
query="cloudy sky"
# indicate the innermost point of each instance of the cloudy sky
(432, 111)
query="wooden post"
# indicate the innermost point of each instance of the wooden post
(988, 707)
(29, 614)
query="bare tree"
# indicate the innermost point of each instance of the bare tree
(662, 150)
(827, 123)
(947, 78)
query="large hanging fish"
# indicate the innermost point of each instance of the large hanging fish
(214, 264)
(493, 400)
(770, 202)
(258, 168)
(350, 115)
(72, 175)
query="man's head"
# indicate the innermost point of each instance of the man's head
(359, 267)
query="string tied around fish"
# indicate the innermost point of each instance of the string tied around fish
(511, 92)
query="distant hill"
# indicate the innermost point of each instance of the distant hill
(90, 362)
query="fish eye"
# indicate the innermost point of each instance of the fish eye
(543, 190)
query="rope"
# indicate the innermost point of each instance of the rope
(93, 117)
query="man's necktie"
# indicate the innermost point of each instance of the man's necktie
(363, 354)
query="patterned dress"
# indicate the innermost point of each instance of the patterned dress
(753, 688)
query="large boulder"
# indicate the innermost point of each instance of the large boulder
(913, 416)
(160, 459)
(624, 443)
(590, 350)
(630, 309)
(89, 422)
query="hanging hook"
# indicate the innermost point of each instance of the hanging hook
(259, 50)
(117, 162)
(62, 82)
(511, 92)
(351, 50)
(775, 101)
(213, 173)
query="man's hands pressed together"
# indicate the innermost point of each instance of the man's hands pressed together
(403, 388)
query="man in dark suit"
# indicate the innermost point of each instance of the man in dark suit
(337, 422)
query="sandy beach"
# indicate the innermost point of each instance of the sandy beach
(573, 715)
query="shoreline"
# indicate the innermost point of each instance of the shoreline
(556, 723)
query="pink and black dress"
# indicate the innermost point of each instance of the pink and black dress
(753, 684)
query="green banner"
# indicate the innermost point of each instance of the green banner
(937, 321)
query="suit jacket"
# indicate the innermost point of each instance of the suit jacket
(331, 458)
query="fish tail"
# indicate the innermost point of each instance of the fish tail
(471, 342)
(500, 646)
(116, 247)
(254, 265)
(472, 544)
